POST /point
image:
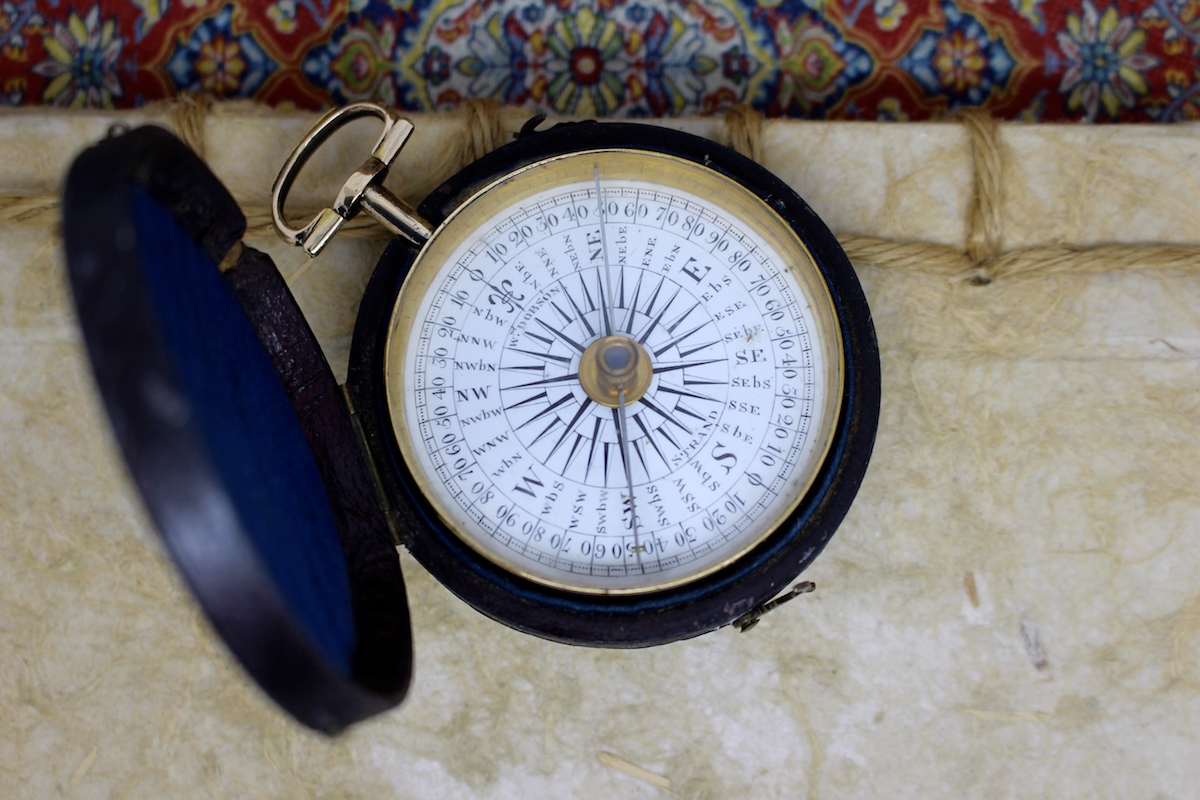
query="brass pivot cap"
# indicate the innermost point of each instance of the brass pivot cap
(612, 365)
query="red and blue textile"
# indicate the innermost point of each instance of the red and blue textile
(1094, 60)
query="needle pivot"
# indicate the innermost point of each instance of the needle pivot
(615, 367)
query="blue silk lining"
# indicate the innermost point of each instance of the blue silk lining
(244, 416)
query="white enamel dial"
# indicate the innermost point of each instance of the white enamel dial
(607, 321)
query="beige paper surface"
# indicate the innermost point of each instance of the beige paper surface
(1011, 608)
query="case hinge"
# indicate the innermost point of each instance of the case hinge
(748, 620)
(389, 514)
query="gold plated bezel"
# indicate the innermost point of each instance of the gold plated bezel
(615, 164)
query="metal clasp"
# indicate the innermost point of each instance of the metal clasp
(751, 618)
(361, 191)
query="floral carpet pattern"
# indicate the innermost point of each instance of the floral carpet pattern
(1050, 60)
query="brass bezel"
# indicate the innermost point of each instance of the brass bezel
(614, 164)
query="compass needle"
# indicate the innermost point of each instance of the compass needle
(623, 433)
(608, 306)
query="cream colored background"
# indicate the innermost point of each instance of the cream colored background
(1011, 608)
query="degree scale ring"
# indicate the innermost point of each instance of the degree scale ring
(498, 368)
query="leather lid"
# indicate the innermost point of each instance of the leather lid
(235, 431)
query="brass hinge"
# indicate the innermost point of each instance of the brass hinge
(748, 620)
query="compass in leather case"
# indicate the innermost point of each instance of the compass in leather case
(612, 384)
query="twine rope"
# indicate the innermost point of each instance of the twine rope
(744, 131)
(188, 116)
(981, 262)
(484, 132)
(983, 220)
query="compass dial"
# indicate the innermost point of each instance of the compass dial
(611, 383)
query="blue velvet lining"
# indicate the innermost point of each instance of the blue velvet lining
(244, 416)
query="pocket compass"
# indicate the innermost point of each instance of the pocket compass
(612, 384)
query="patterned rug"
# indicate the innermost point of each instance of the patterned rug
(1050, 60)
